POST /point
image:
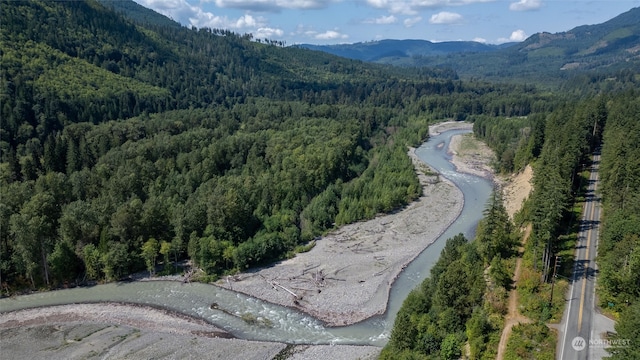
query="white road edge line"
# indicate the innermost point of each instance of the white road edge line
(573, 281)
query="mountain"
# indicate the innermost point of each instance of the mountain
(82, 51)
(542, 58)
(139, 13)
(589, 46)
(123, 134)
(398, 51)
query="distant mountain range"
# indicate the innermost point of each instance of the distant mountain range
(391, 51)
(545, 57)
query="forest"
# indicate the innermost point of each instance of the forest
(559, 145)
(451, 307)
(130, 146)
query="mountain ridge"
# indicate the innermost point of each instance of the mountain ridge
(377, 51)
(544, 56)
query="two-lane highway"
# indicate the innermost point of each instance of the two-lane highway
(577, 322)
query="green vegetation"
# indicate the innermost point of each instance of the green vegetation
(531, 341)
(619, 248)
(133, 145)
(608, 49)
(571, 133)
(460, 302)
(558, 144)
(130, 143)
(516, 141)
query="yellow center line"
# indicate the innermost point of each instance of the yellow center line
(586, 267)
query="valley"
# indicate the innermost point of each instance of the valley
(292, 185)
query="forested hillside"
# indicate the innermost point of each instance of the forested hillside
(131, 144)
(559, 145)
(544, 59)
(552, 59)
(401, 52)
(619, 250)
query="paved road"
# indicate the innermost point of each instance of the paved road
(581, 325)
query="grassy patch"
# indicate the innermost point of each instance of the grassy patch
(531, 341)
(551, 51)
(536, 301)
(468, 143)
(301, 249)
(618, 34)
(493, 337)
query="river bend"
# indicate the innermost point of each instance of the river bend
(285, 324)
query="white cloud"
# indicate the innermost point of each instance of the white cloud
(178, 10)
(412, 7)
(516, 36)
(480, 40)
(445, 17)
(525, 5)
(409, 22)
(330, 35)
(383, 20)
(189, 15)
(272, 5)
(267, 32)
(245, 22)
(248, 21)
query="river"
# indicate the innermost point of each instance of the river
(287, 325)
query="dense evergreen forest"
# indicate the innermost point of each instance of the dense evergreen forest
(451, 307)
(127, 145)
(619, 250)
(558, 145)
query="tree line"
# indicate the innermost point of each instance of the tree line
(619, 246)
(558, 144)
(460, 303)
(127, 145)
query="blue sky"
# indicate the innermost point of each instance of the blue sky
(351, 21)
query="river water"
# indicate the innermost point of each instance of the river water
(284, 324)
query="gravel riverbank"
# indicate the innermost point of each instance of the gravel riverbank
(344, 279)
(347, 276)
(127, 331)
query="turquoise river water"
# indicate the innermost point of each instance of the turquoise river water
(289, 325)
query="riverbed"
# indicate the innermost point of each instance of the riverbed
(281, 321)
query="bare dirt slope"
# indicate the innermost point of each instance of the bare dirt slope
(517, 189)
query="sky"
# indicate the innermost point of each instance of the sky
(325, 22)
